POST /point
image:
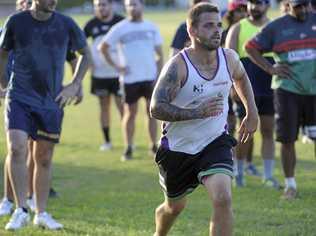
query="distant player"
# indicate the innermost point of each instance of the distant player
(139, 44)
(105, 79)
(237, 36)
(293, 80)
(35, 98)
(191, 98)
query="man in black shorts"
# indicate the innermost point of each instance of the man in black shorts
(139, 44)
(191, 98)
(293, 80)
(105, 79)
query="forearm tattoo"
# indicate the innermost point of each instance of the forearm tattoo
(166, 90)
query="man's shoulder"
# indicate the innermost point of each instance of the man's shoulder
(19, 16)
(118, 17)
(278, 22)
(91, 22)
(64, 18)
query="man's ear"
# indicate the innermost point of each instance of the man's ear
(191, 30)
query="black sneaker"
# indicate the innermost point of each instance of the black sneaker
(52, 193)
(127, 156)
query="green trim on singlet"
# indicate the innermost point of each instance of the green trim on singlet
(247, 32)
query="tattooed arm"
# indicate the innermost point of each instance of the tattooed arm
(243, 87)
(169, 83)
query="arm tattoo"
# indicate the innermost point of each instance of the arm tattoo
(166, 90)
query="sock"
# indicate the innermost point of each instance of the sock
(268, 165)
(106, 134)
(290, 183)
(129, 149)
(24, 210)
(240, 167)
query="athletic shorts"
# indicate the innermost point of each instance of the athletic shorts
(105, 86)
(292, 111)
(38, 123)
(264, 105)
(134, 91)
(180, 173)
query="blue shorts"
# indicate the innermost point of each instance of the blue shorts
(38, 123)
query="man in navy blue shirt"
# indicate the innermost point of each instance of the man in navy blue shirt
(39, 39)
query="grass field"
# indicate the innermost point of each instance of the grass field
(99, 195)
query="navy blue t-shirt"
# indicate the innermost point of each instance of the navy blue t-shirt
(40, 49)
(181, 38)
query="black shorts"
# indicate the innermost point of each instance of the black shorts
(134, 91)
(180, 173)
(264, 104)
(292, 111)
(105, 86)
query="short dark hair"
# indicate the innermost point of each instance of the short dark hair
(197, 10)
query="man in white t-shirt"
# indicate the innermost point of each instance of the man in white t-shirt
(140, 59)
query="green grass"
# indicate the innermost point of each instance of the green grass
(99, 195)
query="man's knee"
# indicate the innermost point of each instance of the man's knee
(222, 199)
(174, 208)
(17, 151)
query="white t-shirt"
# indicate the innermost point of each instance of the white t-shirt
(136, 42)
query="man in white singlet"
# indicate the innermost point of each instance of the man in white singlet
(191, 98)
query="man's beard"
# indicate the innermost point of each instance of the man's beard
(206, 46)
(257, 15)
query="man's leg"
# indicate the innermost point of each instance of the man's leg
(152, 128)
(166, 214)
(43, 153)
(268, 148)
(30, 167)
(105, 102)
(218, 187)
(17, 153)
(130, 111)
(8, 192)
(119, 105)
(6, 203)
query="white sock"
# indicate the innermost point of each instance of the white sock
(290, 183)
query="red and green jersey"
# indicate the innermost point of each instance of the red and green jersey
(294, 43)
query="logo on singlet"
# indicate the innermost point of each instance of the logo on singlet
(198, 88)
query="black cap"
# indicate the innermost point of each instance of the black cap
(295, 3)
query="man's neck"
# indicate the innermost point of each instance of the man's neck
(136, 20)
(258, 22)
(40, 15)
(108, 18)
(203, 56)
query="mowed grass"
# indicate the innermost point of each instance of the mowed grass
(99, 195)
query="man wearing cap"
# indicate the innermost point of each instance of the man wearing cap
(261, 84)
(292, 38)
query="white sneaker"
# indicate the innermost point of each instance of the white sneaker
(30, 202)
(45, 220)
(105, 147)
(5, 207)
(18, 219)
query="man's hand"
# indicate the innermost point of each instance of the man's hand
(122, 70)
(79, 96)
(211, 107)
(248, 127)
(281, 70)
(68, 94)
